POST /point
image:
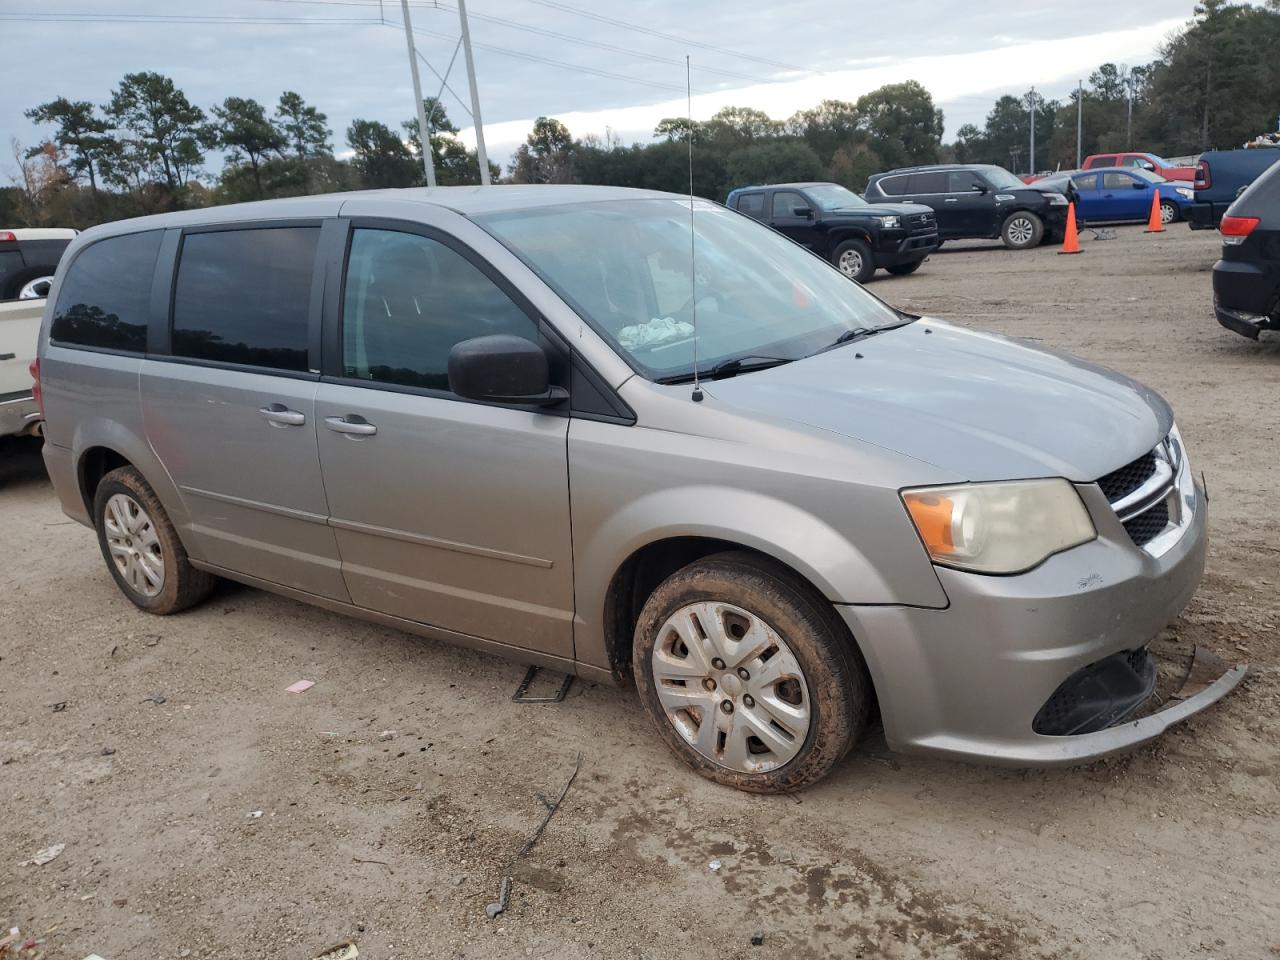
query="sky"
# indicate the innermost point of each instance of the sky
(598, 65)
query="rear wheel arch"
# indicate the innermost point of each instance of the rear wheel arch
(94, 464)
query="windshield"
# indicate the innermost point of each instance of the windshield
(832, 196)
(624, 266)
(1002, 179)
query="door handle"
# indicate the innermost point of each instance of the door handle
(351, 425)
(7, 356)
(278, 415)
(952, 200)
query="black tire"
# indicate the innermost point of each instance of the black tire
(182, 585)
(830, 665)
(1169, 212)
(1022, 230)
(905, 269)
(860, 267)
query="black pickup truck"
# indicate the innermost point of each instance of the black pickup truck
(836, 223)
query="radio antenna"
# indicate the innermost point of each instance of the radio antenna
(693, 258)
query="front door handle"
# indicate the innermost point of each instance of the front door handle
(952, 200)
(353, 425)
(278, 415)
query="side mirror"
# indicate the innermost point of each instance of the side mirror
(502, 369)
(805, 212)
(1139, 185)
(979, 188)
(1147, 165)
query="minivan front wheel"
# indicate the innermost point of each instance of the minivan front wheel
(1022, 230)
(143, 553)
(748, 676)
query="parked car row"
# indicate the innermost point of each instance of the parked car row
(1116, 195)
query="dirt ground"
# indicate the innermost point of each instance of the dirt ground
(398, 844)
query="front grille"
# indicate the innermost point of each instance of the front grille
(921, 220)
(1120, 483)
(1145, 527)
(1098, 696)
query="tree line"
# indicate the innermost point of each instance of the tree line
(1216, 83)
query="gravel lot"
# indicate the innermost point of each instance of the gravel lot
(399, 843)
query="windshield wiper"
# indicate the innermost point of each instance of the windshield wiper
(729, 368)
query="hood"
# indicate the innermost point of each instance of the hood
(978, 405)
(880, 210)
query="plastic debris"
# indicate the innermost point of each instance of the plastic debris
(255, 814)
(714, 865)
(156, 698)
(757, 938)
(44, 856)
(300, 686)
(339, 951)
(387, 735)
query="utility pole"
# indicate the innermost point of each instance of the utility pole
(424, 135)
(1079, 121)
(1130, 111)
(1031, 162)
(475, 93)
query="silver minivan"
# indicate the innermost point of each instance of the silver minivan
(616, 433)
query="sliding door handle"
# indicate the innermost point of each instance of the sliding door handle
(351, 425)
(278, 415)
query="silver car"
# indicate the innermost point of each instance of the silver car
(561, 425)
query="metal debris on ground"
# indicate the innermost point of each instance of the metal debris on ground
(108, 751)
(504, 899)
(300, 686)
(156, 698)
(714, 865)
(522, 691)
(44, 856)
(339, 951)
(255, 814)
(1106, 233)
(387, 735)
(757, 938)
(60, 706)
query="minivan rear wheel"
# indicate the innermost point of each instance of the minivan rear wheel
(1022, 230)
(748, 675)
(143, 553)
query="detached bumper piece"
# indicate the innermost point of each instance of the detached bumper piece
(1099, 695)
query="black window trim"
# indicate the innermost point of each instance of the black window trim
(165, 338)
(339, 254)
(115, 351)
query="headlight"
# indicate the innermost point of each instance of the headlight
(1186, 193)
(891, 222)
(1056, 199)
(999, 527)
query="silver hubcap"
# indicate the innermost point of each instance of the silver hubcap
(1021, 231)
(134, 545)
(731, 687)
(851, 263)
(1166, 213)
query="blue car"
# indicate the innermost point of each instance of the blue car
(1120, 193)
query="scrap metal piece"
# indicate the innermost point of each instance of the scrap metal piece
(1206, 667)
(504, 899)
(346, 950)
(520, 695)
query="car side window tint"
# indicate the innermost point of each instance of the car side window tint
(408, 299)
(244, 296)
(785, 204)
(892, 186)
(1117, 181)
(932, 182)
(1107, 161)
(962, 181)
(1087, 182)
(752, 204)
(105, 297)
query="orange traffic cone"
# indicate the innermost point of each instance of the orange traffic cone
(1154, 223)
(1070, 239)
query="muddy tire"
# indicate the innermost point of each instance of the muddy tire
(749, 675)
(141, 547)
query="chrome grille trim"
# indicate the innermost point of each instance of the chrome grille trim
(1169, 489)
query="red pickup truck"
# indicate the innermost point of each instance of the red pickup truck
(1148, 161)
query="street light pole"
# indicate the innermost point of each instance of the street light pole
(481, 155)
(424, 134)
(1079, 120)
(1031, 163)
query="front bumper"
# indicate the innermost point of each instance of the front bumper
(968, 681)
(19, 415)
(897, 247)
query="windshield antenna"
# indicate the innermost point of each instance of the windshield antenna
(693, 260)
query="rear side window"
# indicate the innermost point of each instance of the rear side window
(893, 186)
(752, 204)
(935, 182)
(105, 297)
(244, 296)
(408, 299)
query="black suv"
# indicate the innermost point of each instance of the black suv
(1246, 281)
(976, 201)
(838, 224)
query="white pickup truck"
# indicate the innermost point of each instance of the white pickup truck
(28, 260)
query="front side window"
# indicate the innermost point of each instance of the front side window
(244, 296)
(752, 204)
(626, 267)
(408, 300)
(786, 203)
(962, 181)
(1104, 161)
(1088, 181)
(1117, 181)
(105, 298)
